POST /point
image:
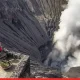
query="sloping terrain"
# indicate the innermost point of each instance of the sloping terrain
(25, 25)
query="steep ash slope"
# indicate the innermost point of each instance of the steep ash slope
(25, 25)
(19, 29)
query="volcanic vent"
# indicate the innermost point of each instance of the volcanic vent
(66, 51)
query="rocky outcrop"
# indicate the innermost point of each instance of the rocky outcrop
(18, 65)
(39, 71)
(25, 25)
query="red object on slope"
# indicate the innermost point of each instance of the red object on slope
(0, 48)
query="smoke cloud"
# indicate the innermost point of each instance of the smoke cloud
(66, 51)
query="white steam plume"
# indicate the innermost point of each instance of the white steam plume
(66, 52)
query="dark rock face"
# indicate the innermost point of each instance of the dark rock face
(19, 29)
(25, 25)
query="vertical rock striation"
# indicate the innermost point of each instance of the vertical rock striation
(25, 25)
